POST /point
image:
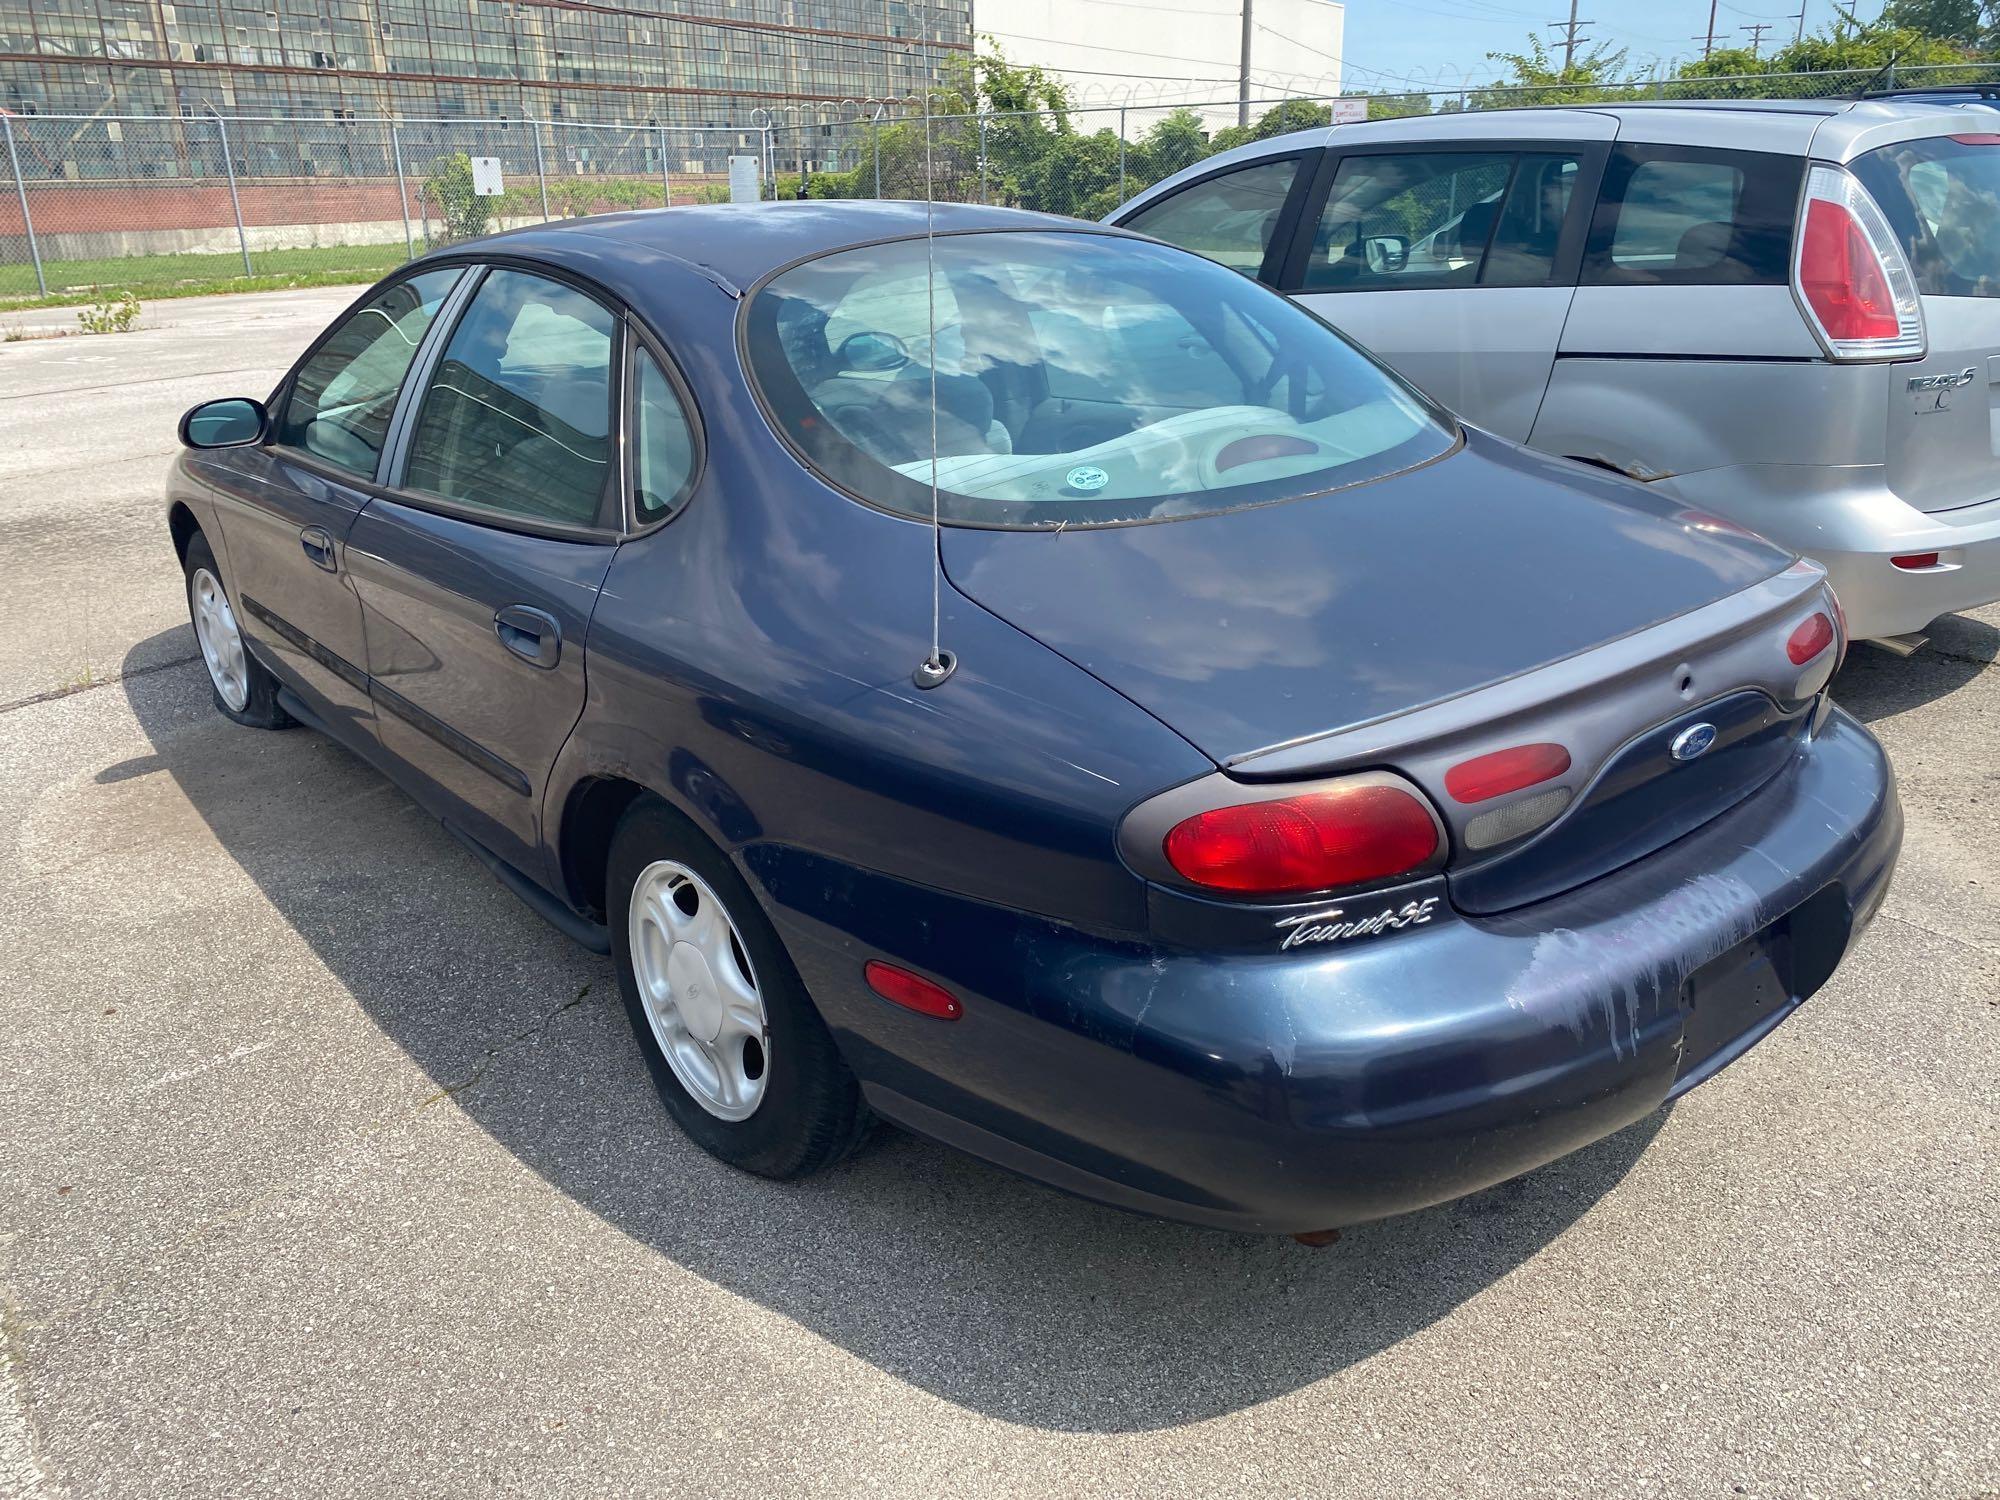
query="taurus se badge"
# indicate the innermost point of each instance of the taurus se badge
(1326, 926)
(1693, 741)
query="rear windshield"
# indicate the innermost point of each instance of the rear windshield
(1942, 197)
(1081, 379)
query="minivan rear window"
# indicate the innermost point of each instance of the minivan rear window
(1069, 379)
(1942, 197)
(1693, 216)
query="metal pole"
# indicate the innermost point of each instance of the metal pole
(1243, 73)
(21, 188)
(541, 171)
(982, 159)
(1121, 153)
(666, 173)
(402, 192)
(875, 130)
(770, 163)
(235, 204)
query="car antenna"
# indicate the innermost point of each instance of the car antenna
(1888, 68)
(939, 664)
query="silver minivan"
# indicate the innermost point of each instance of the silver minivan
(1786, 314)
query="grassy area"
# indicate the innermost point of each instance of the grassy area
(73, 282)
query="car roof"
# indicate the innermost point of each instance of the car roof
(735, 244)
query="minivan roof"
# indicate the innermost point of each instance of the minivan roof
(1831, 129)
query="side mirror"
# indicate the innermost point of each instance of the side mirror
(1386, 252)
(873, 351)
(233, 422)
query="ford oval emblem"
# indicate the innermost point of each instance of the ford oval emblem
(1693, 741)
(1087, 477)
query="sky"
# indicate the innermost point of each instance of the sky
(1395, 44)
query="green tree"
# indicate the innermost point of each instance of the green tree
(1174, 141)
(449, 187)
(1959, 22)
(1845, 47)
(1281, 119)
(1535, 76)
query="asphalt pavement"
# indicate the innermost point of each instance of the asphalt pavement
(326, 1169)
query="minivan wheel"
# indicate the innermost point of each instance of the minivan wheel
(739, 1054)
(243, 690)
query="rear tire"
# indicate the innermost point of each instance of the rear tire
(739, 1053)
(243, 690)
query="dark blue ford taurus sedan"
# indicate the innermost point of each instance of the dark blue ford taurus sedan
(1299, 808)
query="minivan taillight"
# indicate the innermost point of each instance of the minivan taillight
(1343, 834)
(1850, 275)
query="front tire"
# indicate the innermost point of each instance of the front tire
(243, 690)
(740, 1056)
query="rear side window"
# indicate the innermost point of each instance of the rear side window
(1437, 219)
(1229, 218)
(1942, 198)
(1683, 216)
(518, 416)
(664, 443)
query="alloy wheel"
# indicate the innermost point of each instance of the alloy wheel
(221, 642)
(699, 990)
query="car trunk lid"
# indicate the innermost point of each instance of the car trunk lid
(1943, 442)
(1491, 601)
(1942, 445)
(1252, 629)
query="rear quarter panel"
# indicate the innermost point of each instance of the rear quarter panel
(751, 662)
(1658, 417)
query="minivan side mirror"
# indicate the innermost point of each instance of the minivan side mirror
(232, 422)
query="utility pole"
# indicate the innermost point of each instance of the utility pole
(1570, 30)
(1708, 41)
(1756, 35)
(1800, 35)
(1243, 74)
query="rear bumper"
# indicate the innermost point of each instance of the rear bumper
(1305, 1090)
(1847, 519)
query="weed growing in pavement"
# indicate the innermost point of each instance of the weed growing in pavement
(108, 315)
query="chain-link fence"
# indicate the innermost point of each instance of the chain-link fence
(154, 204)
(1084, 162)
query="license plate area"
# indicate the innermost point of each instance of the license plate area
(1731, 1001)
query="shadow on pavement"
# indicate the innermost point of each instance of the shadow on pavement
(1875, 684)
(994, 1293)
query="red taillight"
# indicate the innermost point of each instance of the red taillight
(1813, 636)
(1504, 771)
(1912, 561)
(1840, 278)
(1977, 140)
(1850, 272)
(911, 991)
(1343, 835)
